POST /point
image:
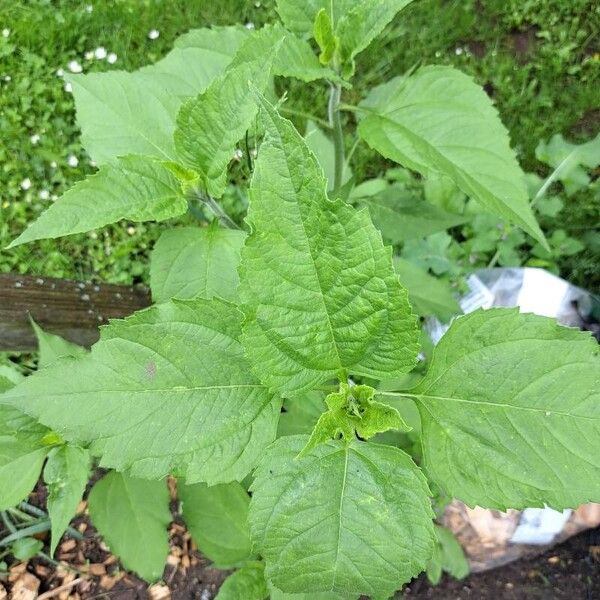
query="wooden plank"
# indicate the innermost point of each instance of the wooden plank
(71, 309)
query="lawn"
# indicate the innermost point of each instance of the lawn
(538, 59)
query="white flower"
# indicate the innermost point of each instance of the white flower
(72, 161)
(54, 197)
(26, 184)
(458, 51)
(44, 194)
(89, 8)
(111, 58)
(7, 78)
(75, 67)
(60, 72)
(34, 139)
(5, 32)
(249, 25)
(153, 34)
(68, 87)
(238, 154)
(89, 55)
(131, 230)
(53, 164)
(100, 53)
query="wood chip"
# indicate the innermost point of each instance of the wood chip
(159, 592)
(111, 560)
(81, 507)
(68, 545)
(172, 560)
(3, 594)
(25, 587)
(42, 571)
(553, 560)
(16, 571)
(107, 582)
(185, 561)
(98, 569)
(82, 527)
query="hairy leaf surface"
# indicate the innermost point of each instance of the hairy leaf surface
(217, 518)
(348, 519)
(132, 516)
(166, 390)
(319, 292)
(248, 583)
(439, 121)
(137, 188)
(510, 412)
(192, 261)
(65, 475)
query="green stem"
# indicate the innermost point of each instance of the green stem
(305, 115)
(335, 122)
(8, 523)
(216, 209)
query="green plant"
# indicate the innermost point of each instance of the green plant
(302, 310)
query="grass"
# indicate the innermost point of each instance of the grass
(539, 60)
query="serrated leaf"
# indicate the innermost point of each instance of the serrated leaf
(134, 113)
(510, 411)
(52, 347)
(301, 413)
(322, 148)
(22, 454)
(209, 126)
(248, 583)
(65, 475)
(348, 519)
(428, 295)
(217, 518)
(132, 516)
(400, 215)
(137, 188)
(439, 121)
(147, 401)
(192, 261)
(319, 292)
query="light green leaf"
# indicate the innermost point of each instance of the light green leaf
(428, 295)
(66, 475)
(571, 162)
(349, 519)
(137, 188)
(453, 558)
(209, 126)
(248, 583)
(132, 516)
(322, 148)
(22, 454)
(25, 548)
(52, 347)
(148, 401)
(400, 215)
(192, 261)
(439, 121)
(301, 413)
(217, 518)
(324, 36)
(134, 113)
(510, 411)
(9, 377)
(319, 292)
(430, 253)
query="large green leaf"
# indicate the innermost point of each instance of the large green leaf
(209, 126)
(191, 261)
(400, 215)
(134, 113)
(137, 188)
(246, 584)
(350, 519)
(217, 518)
(166, 390)
(319, 291)
(132, 516)
(428, 295)
(22, 454)
(510, 411)
(301, 413)
(66, 475)
(52, 347)
(439, 121)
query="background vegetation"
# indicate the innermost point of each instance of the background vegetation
(538, 59)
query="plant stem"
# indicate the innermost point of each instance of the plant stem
(216, 209)
(301, 113)
(335, 122)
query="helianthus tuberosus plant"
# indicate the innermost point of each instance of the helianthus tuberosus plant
(263, 362)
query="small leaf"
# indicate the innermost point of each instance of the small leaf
(324, 36)
(453, 558)
(192, 261)
(217, 518)
(137, 188)
(301, 413)
(438, 121)
(317, 285)
(132, 516)
(25, 548)
(66, 475)
(52, 347)
(167, 390)
(510, 411)
(428, 295)
(248, 583)
(348, 518)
